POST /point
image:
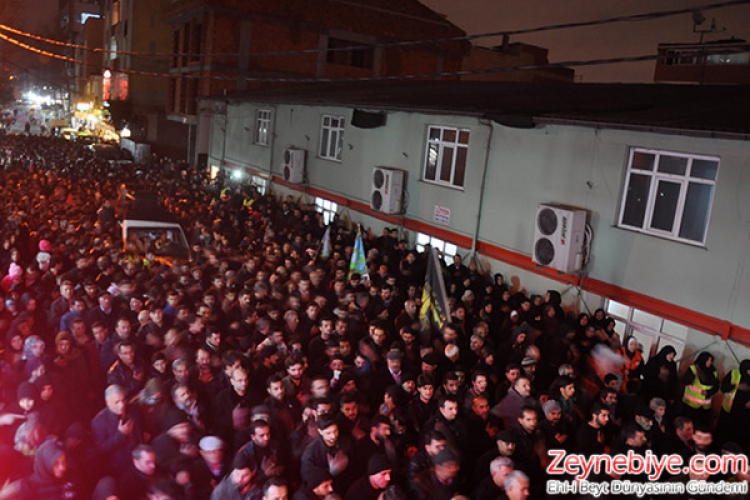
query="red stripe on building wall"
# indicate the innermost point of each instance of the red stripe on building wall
(666, 310)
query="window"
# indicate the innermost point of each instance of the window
(651, 331)
(669, 194)
(116, 12)
(359, 58)
(742, 58)
(448, 249)
(262, 126)
(260, 183)
(331, 137)
(196, 49)
(327, 208)
(445, 158)
(683, 57)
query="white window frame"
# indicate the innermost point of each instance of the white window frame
(326, 207)
(449, 249)
(260, 183)
(262, 126)
(659, 331)
(684, 181)
(439, 147)
(331, 137)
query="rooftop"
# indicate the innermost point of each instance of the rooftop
(691, 109)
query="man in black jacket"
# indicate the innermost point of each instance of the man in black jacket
(116, 429)
(325, 454)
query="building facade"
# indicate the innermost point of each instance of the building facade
(137, 58)
(226, 46)
(663, 192)
(725, 62)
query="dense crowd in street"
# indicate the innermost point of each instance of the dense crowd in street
(264, 369)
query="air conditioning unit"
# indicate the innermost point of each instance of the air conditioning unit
(294, 165)
(558, 237)
(387, 190)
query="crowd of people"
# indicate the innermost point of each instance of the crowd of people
(264, 369)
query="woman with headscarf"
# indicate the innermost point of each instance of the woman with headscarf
(32, 365)
(72, 374)
(660, 378)
(633, 359)
(599, 319)
(13, 417)
(734, 416)
(106, 489)
(49, 480)
(14, 276)
(701, 383)
(13, 347)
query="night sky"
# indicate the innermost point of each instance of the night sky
(481, 16)
(613, 40)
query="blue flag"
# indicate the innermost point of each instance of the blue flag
(358, 264)
(326, 243)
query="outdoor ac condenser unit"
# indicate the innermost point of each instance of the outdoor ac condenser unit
(294, 165)
(387, 190)
(559, 237)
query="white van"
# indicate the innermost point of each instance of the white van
(149, 229)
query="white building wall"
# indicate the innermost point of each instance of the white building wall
(576, 165)
(586, 167)
(399, 144)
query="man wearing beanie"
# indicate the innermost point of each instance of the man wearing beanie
(317, 485)
(173, 445)
(240, 484)
(440, 482)
(371, 485)
(505, 442)
(554, 428)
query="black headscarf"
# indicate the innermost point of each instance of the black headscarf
(706, 375)
(654, 364)
(744, 369)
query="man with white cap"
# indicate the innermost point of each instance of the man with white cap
(210, 467)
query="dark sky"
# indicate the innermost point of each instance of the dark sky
(38, 17)
(613, 40)
(482, 16)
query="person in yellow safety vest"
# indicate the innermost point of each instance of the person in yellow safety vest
(736, 393)
(701, 383)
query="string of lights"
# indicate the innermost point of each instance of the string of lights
(38, 51)
(403, 43)
(249, 78)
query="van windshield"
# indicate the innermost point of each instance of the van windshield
(148, 228)
(162, 242)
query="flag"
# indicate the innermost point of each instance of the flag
(326, 252)
(434, 310)
(358, 264)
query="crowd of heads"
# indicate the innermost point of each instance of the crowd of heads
(262, 366)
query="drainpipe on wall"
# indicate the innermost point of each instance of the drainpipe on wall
(481, 191)
(224, 145)
(273, 146)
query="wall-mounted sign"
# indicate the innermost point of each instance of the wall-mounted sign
(442, 215)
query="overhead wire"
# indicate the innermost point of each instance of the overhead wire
(235, 77)
(401, 43)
